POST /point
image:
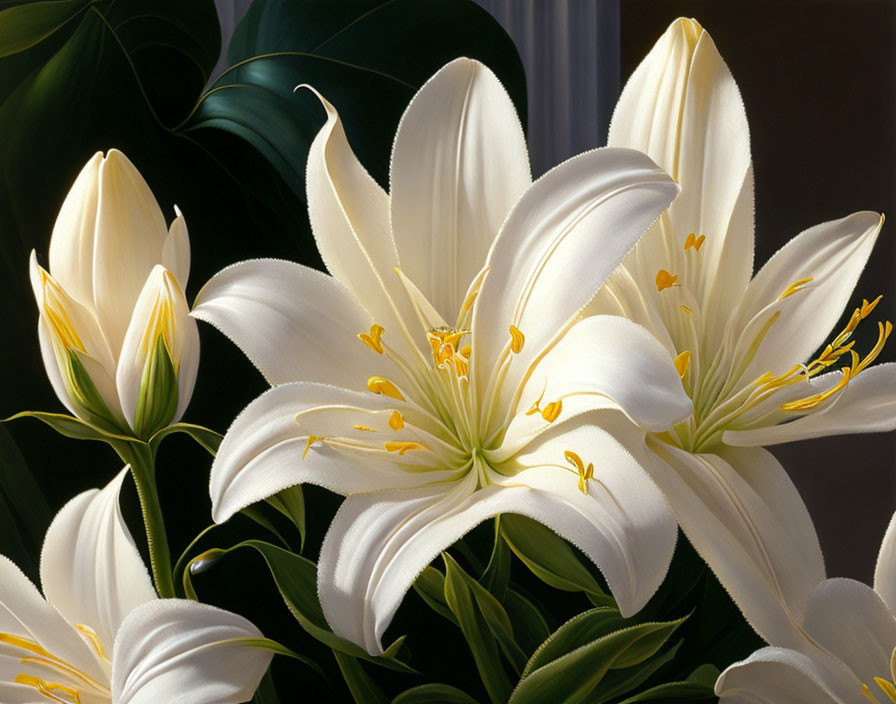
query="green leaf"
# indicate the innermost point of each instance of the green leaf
(434, 694)
(23, 26)
(157, 400)
(497, 573)
(364, 690)
(530, 628)
(71, 427)
(205, 437)
(257, 515)
(296, 579)
(266, 692)
(477, 631)
(550, 558)
(618, 682)
(572, 677)
(291, 503)
(23, 493)
(578, 631)
(430, 585)
(699, 686)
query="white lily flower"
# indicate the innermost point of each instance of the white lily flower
(464, 285)
(101, 635)
(743, 346)
(848, 657)
(115, 334)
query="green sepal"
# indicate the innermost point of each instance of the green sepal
(157, 400)
(363, 689)
(698, 687)
(550, 558)
(71, 427)
(89, 404)
(434, 692)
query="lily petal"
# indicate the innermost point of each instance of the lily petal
(775, 675)
(746, 519)
(184, 652)
(291, 321)
(90, 568)
(262, 451)
(72, 241)
(866, 405)
(24, 613)
(682, 108)
(850, 620)
(458, 166)
(885, 570)
(130, 235)
(602, 362)
(558, 245)
(832, 255)
(176, 250)
(161, 310)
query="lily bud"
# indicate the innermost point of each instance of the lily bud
(119, 347)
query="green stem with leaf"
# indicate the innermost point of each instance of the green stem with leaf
(141, 458)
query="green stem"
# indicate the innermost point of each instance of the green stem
(140, 457)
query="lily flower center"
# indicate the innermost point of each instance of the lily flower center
(54, 678)
(724, 398)
(887, 686)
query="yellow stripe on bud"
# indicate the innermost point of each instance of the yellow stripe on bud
(379, 385)
(396, 420)
(682, 363)
(373, 339)
(517, 339)
(693, 241)
(665, 280)
(402, 447)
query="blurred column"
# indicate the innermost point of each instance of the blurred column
(570, 49)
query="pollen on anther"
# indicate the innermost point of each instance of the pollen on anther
(373, 339)
(402, 447)
(682, 363)
(552, 411)
(364, 427)
(693, 241)
(517, 339)
(665, 280)
(795, 287)
(379, 385)
(396, 420)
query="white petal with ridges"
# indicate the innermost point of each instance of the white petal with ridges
(885, 570)
(292, 322)
(261, 453)
(559, 243)
(746, 519)
(176, 250)
(458, 166)
(183, 652)
(90, 568)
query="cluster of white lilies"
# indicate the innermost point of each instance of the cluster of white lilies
(591, 350)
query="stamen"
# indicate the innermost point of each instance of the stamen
(361, 427)
(693, 241)
(887, 688)
(47, 689)
(396, 420)
(552, 411)
(813, 401)
(687, 310)
(94, 639)
(883, 332)
(373, 339)
(682, 362)
(402, 447)
(517, 340)
(379, 385)
(585, 473)
(665, 280)
(868, 695)
(311, 440)
(795, 287)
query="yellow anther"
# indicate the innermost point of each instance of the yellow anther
(682, 363)
(552, 411)
(94, 639)
(373, 339)
(364, 427)
(51, 690)
(465, 352)
(665, 280)
(396, 420)
(867, 307)
(868, 695)
(517, 339)
(378, 385)
(883, 332)
(687, 310)
(813, 401)
(887, 688)
(585, 473)
(402, 447)
(794, 288)
(693, 241)
(311, 440)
